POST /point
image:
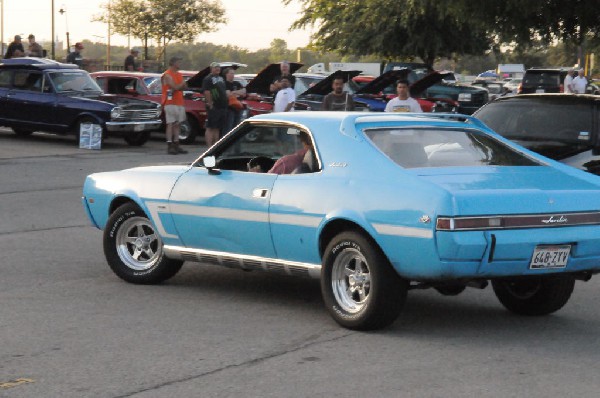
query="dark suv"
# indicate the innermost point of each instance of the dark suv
(542, 80)
(563, 127)
(42, 95)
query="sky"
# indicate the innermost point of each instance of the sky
(252, 24)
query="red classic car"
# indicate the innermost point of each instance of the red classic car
(147, 86)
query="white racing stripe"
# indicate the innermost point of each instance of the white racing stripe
(387, 229)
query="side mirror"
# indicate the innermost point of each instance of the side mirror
(210, 162)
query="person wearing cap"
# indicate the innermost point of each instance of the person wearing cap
(75, 57)
(338, 99)
(217, 102)
(173, 85)
(130, 61)
(15, 49)
(34, 49)
(284, 68)
(580, 83)
(568, 82)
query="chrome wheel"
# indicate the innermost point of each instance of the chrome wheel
(351, 280)
(139, 247)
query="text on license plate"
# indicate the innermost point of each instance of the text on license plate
(540, 90)
(550, 257)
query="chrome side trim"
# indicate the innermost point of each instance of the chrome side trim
(387, 229)
(244, 262)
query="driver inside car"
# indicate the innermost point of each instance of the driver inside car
(289, 163)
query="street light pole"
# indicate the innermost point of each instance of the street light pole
(63, 10)
(2, 27)
(53, 45)
(108, 40)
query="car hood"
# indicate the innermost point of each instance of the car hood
(261, 84)
(388, 78)
(324, 86)
(550, 189)
(196, 80)
(126, 102)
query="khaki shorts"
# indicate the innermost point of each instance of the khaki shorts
(174, 114)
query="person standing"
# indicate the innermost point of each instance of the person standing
(284, 69)
(338, 99)
(15, 49)
(568, 82)
(34, 49)
(580, 83)
(172, 100)
(75, 57)
(286, 96)
(215, 95)
(131, 63)
(403, 103)
(235, 89)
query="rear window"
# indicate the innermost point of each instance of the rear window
(531, 120)
(546, 79)
(412, 148)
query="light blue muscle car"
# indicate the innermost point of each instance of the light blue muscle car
(373, 205)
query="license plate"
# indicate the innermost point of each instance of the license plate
(550, 257)
(540, 91)
(139, 127)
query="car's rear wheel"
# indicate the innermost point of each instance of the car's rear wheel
(360, 288)
(536, 295)
(137, 139)
(188, 130)
(22, 132)
(133, 248)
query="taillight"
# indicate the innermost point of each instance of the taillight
(561, 88)
(468, 223)
(520, 88)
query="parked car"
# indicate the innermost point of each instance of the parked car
(379, 205)
(513, 84)
(563, 127)
(259, 99)
(543, 80)
(312, 98)
(376, 94)
(495, 88)
(147, 86)
(37, 94)
(468, 97)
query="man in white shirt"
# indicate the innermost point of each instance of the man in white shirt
(568, 83)
(285, 98)
(580, 83)
(403, 103)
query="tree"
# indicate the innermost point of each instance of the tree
(163, 20)
(391, 28)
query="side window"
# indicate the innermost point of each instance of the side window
(101, 82)
(28, 80)
(276, 149)
(5, 78)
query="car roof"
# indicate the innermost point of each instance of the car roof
(34, 63)
(345, 121)
(551, 96)
(124, 73)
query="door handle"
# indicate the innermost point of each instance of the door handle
(260, 193)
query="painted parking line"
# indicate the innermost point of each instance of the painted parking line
(15, 383)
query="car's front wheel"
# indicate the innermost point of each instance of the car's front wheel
(133, 248)
(360, 288)
(188, 130)
(536, 295)
(137, 139)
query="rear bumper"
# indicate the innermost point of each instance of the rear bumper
(133, 127)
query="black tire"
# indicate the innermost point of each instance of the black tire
(134, 250)
(137, 139)
(360, 288)
(451, 290)
(189, 130)
(534, 296)
(22, 132)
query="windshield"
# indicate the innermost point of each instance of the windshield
(77, 80)
(303, 83)
(413, 147)
(531, 120)
(153, 84)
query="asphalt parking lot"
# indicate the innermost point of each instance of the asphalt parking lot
(70, 328)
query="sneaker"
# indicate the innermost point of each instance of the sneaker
(171, 149)
(179, 149)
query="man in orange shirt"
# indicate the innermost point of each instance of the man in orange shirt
(172, 100)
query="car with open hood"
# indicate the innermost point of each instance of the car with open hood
(147, 86)
(376, 205)
(312, 98)
(259, 98)
(37, 94)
